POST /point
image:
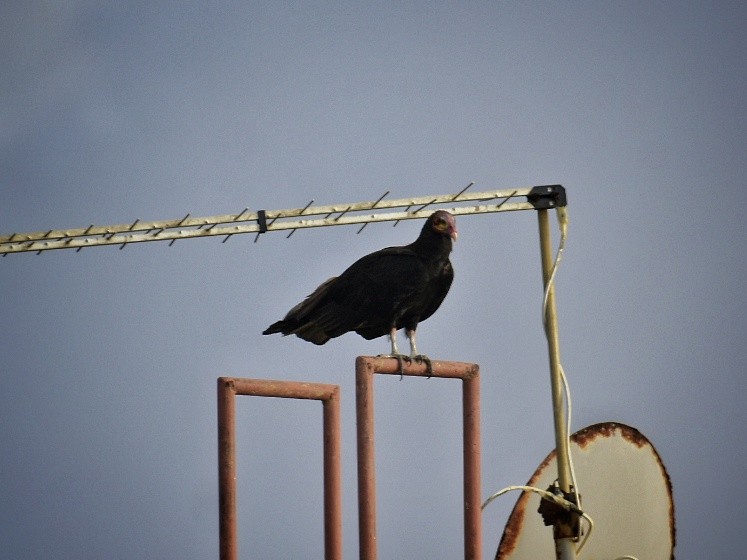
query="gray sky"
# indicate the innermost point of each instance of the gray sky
(114, 111)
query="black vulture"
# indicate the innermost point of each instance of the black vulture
(391, 289)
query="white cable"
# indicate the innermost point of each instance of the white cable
(562, 215)
(563, 224)
(571, 467)
(559, 500)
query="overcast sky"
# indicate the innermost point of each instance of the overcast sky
(112, 111)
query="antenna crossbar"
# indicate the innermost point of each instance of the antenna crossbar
(263, 221)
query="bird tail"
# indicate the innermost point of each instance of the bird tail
(308, 331)
(277, 327)
(301, 321)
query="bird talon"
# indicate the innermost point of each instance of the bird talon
(423, 359)
(401, 359)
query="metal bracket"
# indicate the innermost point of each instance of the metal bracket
(566, 522)
(262, 221)
(547, 197)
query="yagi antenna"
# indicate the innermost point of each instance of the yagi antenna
(374, 205)
(265, 221)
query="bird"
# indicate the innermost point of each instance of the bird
(385, 291)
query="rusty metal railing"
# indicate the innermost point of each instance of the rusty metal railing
(365, 368)
(228, 388)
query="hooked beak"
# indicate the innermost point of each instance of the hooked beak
(454, 235)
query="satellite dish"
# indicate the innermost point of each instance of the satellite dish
(624, 488)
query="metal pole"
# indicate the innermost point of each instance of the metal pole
(227, 469)
(332, 477)
(472, 468)
(564, 534)
(364, 405)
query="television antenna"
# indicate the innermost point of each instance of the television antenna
(289, 220)
(259, 222)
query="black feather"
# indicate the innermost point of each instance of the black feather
(396, 287)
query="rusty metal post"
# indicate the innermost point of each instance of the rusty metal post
(364, 405)
(227, 469)
(472, 467)
(365, 368)
(228, 388)
(332, 476)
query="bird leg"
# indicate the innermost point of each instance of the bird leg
(401, 358)
(420, 358)
(393, 340)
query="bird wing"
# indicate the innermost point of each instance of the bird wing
(366, 298)
(376, 290)
(438, 287)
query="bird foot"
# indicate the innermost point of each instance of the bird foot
(423, 359)
(401, 358)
